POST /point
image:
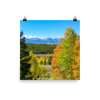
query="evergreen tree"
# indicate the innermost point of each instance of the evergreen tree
(45, 62)
(24, 59)
(49, 60)
(41, 62)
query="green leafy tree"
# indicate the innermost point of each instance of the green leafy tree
(66, 56)
(24, 65)
(35, 68)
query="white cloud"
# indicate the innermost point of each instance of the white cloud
(25, 35)
(30, 36)
(39, 37)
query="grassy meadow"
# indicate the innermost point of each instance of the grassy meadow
(45, 56)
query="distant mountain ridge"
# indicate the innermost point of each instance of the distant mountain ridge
(43, 41)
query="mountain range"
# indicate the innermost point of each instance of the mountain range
(43, 41)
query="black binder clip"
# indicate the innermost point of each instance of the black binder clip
(74, 19)
(24, 19)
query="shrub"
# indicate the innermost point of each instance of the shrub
(45, 62)
(38, 57)
(49, 60)
(41, 62)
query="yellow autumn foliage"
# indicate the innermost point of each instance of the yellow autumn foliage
(47, 60)
(41, 59)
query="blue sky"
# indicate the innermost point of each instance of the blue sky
(48, 28)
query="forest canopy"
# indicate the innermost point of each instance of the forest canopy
(41, 48)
